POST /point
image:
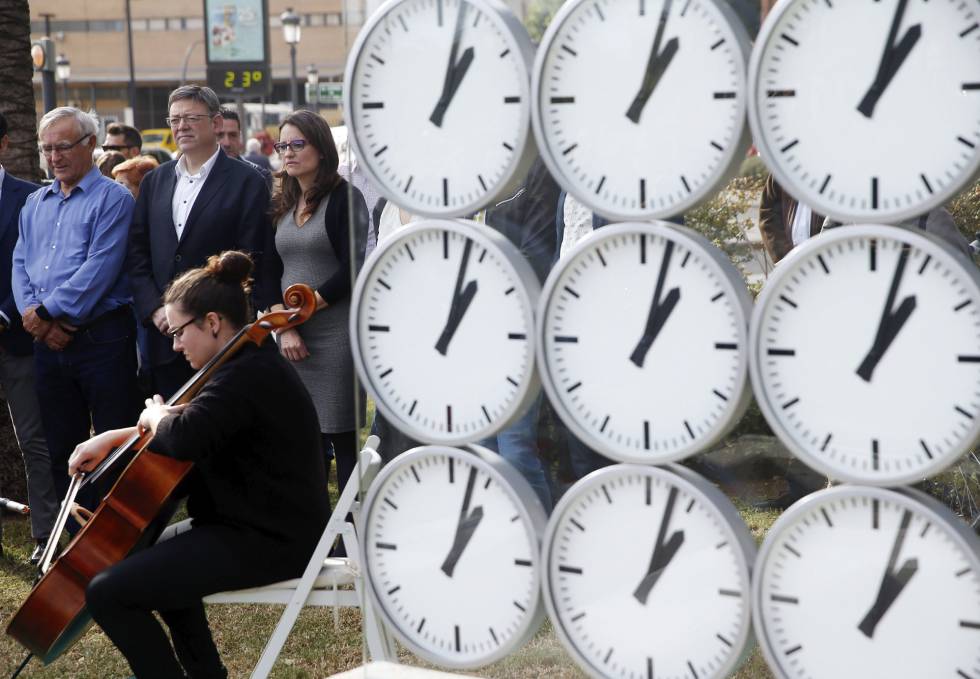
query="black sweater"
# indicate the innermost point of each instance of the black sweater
(253, 436)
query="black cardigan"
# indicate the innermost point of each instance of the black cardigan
(253, 435)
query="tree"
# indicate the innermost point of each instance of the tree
(17, 103)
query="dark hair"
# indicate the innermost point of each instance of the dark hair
(222, 286)
(204, 95)
(3, 125)
(131, 135)
(228, 114)
(108, 160)
(317, 133)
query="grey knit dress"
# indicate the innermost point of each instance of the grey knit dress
(328, 373)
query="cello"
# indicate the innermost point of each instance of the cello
(53, 616)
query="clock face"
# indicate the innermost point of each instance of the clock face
(882, 128)
(647, 574)
(866, 582)
(679, 309)
(866, 354)
(450, 541)
(442, 327)
(640, 106)
(421, 72)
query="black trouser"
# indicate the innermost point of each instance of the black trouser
(344, 446)
(172, 577)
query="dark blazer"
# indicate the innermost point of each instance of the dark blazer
(13, 192)
(230, 213)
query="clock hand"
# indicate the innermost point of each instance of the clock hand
(663, 552)
(657, 64)
(891, 321)
(659, 312)
(892, 57)
(455, 70)
(468, 521)
(892, 583)
(461, 302)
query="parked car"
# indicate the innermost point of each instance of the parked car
(159, 137)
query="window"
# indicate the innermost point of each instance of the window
(157, 24)
(333, 19)
(193, 23)
(139, 25)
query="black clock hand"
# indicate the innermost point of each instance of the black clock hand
(891, 321)
(892, 583)
(657, 64)
(892, 57)
(455, 70)
(461, 301)
(468, 521)
(663, 552)
(659, 312)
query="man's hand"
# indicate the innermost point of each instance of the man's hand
(34, 324)
(58, 336)
(292, 346)
(156, 410)
(159, 319)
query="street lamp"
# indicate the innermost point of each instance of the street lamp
(63, 71)
(290, 33)
(313, 80)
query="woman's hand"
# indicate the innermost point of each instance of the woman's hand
(292, 346)
(156, 410)
(89, 454)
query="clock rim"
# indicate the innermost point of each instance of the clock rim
(772, 159)
(691, 482)
(734, 285)
(726, 169)
(930, 244)
(526, 283)
(532, 516)
(910, 498)
(524, 151)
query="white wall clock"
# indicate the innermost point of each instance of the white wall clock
(866, 354)
(866, 582)
(642, 339)
(868, 111)
(442, 326)
(421, 73)
(647, 574)
(639, 105)
(450, 543)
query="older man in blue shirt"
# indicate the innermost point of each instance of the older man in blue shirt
(69, 286)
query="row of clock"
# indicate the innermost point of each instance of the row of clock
(650, 572)
(639, 106)
(863, 351)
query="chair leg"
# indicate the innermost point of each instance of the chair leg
(380, 644)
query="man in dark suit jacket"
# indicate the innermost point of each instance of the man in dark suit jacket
(189, 209)
(17, 364)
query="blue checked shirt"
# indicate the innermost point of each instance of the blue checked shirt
(70, 251)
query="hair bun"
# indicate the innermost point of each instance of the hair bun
(232, 267)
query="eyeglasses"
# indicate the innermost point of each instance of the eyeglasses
(178, 332)
(117, 147)
(47, 149)
(174, 121)
(296, 145)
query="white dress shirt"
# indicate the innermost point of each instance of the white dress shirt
(187, 188)
(801, 223)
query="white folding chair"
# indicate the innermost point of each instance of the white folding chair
(321, 581)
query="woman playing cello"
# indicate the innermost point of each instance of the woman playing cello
(259, 501)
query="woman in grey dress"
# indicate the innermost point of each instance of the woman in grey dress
(314, 211)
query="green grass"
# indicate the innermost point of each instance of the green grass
(316, 647)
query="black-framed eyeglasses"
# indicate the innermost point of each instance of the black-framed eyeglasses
(115, 147)
(296, 145)
(192, 119)
(178, 332)
(47, 149)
